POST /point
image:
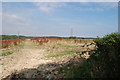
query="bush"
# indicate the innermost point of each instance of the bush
(72, 37)
(104, 62)
(106, 58)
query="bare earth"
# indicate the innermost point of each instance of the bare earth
(31, 58)
(28, 57)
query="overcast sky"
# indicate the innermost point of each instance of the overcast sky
(57, 18)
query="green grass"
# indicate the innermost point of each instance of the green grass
(35, 44)
(63, 53)
(6, 53)
(21, 45)
(82, 71)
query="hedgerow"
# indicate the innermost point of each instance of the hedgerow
(104, 62)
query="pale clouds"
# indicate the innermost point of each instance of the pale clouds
(102, 6)
(91, 9)
(109, 4)
(13, 19)
(14, 23)
(48, 6)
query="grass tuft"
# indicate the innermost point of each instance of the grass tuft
(21, 45)
(6, 53)
(63, 53)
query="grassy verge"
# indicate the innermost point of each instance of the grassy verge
(82, 71)
(21, 45)
(63, 53)
(103, 63)
(6, 53)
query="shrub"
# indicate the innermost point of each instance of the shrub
(106, 58)
(104, 62)
(72, 37)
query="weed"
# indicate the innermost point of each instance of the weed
(63, 53)
(6, 53)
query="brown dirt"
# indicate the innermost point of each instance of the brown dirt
(28, 57)
(30, 61)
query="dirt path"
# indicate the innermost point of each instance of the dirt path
(27, 57)
(30, 61)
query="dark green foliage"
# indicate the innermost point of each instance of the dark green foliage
(105, 62)
(106, 58)
(83, 70)
(5, 37)
(6, 53)
(72, 37)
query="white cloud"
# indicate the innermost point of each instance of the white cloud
(101, 6)
(13, 18)
(91, 9)
(109, 4)
(48, 6)
(52, 6)
(12, 23)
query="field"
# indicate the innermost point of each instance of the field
(53, 40)
(42, 58)
(55, 58)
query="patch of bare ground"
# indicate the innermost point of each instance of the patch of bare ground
(31, 61)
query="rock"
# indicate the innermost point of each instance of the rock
(50, 77)
(68, 67)
(56, 72)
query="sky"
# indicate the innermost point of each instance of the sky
(86, 19)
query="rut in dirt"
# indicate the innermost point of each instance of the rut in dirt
(31, 62)
(27, 57)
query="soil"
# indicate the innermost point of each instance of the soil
(30, 62)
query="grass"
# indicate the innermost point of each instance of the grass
(69, 73)
(82, 71)
(6, 53)
(21, 45)
(63, 53)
